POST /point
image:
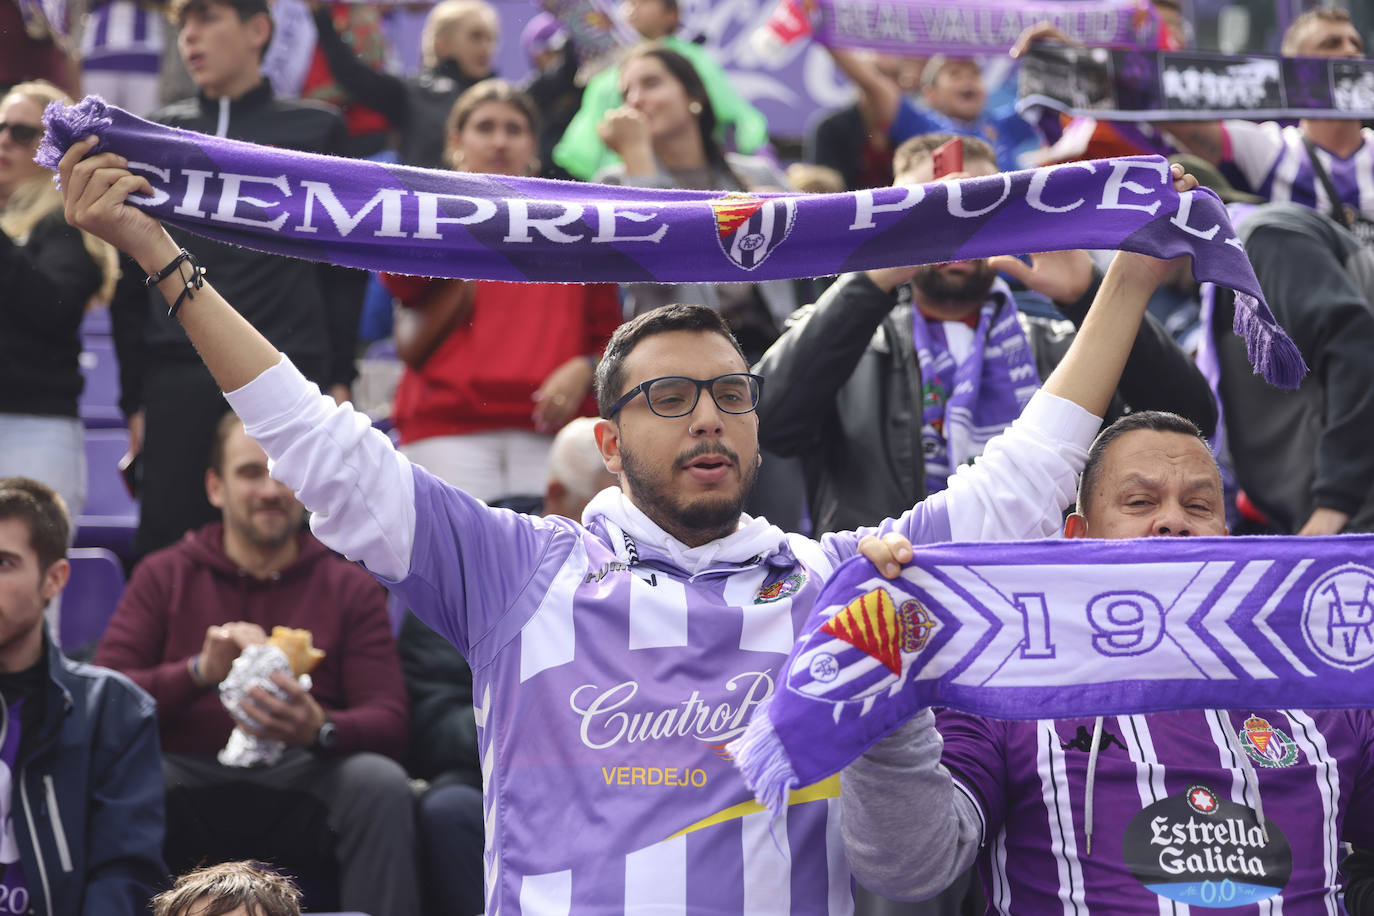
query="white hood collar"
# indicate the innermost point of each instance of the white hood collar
(754, 537)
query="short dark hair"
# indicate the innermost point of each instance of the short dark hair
(42, 511)
(1158, 421)
(913, 150)
(178, 10)
(226, 425)
(1293, 35)
(610, 372)
(220, 889)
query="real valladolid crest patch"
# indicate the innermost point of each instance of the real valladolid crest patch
(785, 587)
(1056, 629)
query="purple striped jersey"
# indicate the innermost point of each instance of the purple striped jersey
(123, 36)
(1174, 810)
(1275, 163)
(606, 693)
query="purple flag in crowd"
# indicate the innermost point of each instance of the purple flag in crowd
(1048, 629)
(492, 227)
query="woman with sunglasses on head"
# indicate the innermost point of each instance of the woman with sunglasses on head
(493, 370)
(664, 135)
(49, 272)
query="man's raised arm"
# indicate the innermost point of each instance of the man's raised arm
(469, 561)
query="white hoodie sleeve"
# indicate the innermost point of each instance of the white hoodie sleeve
(359, 489)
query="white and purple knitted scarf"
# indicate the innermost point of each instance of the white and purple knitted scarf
(491, 227)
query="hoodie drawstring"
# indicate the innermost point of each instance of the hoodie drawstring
(1092, 782)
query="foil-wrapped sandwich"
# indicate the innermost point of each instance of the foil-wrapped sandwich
(287, 650)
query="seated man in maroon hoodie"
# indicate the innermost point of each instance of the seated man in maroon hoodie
(337, 794)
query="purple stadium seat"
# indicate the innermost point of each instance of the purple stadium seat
(90, 597)
(110, 514)
(96, 322)
(99, 403)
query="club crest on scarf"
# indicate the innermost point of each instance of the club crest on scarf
(750, 228)
(864, 649)
(1266, 745)
(1338, 619)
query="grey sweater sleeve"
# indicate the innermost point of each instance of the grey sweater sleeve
(909, 832)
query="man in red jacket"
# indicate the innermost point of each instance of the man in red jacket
(335, 797)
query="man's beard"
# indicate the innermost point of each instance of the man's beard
(716, 514)
(940, 285)
(265, 537)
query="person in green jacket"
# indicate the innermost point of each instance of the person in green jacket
(581, 151)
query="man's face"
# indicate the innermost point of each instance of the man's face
(255, 508)
(690, 474)
(962, 285)
(1156, 484)
(221, 52)
(1331, 39)
(958, 91)
(25, 589)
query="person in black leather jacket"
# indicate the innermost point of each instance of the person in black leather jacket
(308, 310)
(844, 388)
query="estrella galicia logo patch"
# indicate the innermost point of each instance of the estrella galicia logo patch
(1267, 745)
(749, 228)
(1338, 617)
(1203, 850)
(785, 587)
(864, 649)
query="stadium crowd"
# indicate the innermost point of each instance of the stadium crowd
(390, 775)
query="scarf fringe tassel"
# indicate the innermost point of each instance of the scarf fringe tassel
(1271, 352)
(67, 124)
(763, 762)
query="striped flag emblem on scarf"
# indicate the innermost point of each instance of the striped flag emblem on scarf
(750, 228)
(859, 652)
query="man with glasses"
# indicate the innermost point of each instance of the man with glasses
(613, 659)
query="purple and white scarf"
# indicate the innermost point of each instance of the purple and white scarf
(1052, 629)
(966, 403)
(400, 219)
(965, 28)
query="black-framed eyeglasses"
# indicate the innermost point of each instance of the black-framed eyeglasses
(676, 396)
(23, 134)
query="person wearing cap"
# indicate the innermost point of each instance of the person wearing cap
(552, 85)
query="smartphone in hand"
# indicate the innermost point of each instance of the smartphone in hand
(948, 157)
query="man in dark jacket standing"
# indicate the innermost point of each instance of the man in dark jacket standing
(80, 795)
(188, 613)
(895, 377)
(309, 310)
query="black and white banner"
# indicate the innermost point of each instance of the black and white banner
(1193, 85)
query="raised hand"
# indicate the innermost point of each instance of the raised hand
(94, 192)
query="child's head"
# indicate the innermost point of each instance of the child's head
(230, 889)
